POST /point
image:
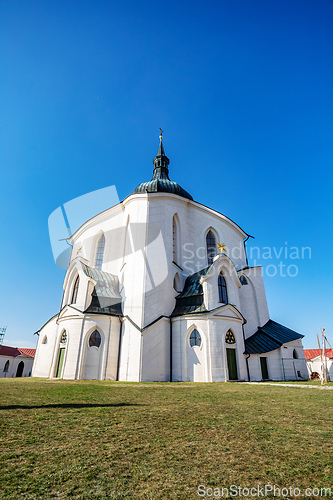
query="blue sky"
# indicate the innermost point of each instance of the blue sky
(243, 91)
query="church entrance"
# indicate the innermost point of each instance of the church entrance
(264, 369)
(232, 364)
(60, 362)
(19, 370)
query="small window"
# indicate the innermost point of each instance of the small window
(295, 354)
(95, 339)
(223, 297)
(100, 252)
(6, 368)
(243, 280)
(63, 339)
(195, 339)
(230, 338)
(211, 247)
(44, 340)
(299, 374)
(75, 290)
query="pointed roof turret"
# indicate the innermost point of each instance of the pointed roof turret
(160, 182)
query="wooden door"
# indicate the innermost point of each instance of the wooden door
(232, 364)
(60, 362)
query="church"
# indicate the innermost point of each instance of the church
(158, 288)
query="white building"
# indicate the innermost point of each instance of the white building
(15, 361)
(315, 363)
(148, 296)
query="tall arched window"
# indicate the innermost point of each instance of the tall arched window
(295, 354)
(195, 339)
(223, 296)
(75, 290)
(63, 339)
(210, 246)
(175, 239)
(100, 252)
(6, 368)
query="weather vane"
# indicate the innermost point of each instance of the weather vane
(161, 136)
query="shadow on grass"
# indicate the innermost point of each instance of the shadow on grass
(67, 406)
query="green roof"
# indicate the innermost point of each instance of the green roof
(191, 299)
(269, 337)
(106, 298)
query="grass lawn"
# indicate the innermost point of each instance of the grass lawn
(91, 439)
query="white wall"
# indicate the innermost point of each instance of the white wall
(280, 363)
(13, 364)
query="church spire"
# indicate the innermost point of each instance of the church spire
(160, 183)
(161, 162)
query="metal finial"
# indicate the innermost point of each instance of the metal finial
(161, 136)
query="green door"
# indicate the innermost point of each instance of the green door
(60, 362)
(264, 369)
(232, 365)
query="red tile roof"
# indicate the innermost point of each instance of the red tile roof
(8, 351)
(5, 350)
(27, 352)
(314, 353)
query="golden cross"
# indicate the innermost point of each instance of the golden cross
(161, 136)
(221, 247)
(79, 251)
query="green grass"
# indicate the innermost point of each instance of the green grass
(89, 439)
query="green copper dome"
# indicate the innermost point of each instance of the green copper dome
(160, 182)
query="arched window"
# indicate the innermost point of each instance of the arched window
(295, 354)
(195, 339)
(6, 368)
(223, 297)
(44, 340)
(75, 290)
(177, 283)
(210, 246)
(100, 252)
(63, 339)
(175, 239)
(95, 339)
(230, 338)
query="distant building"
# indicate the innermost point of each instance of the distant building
(15, 361)
(314, 363)
(152, 294)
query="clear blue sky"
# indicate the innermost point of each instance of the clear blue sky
(243, 91)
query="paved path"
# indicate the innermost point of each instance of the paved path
(326, 387)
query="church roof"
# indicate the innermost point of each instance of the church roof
(315, 353)
(160, 182)
(269, 337)
(191, 300)
(105, 297)
(16, 351)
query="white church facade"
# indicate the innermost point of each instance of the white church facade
(152, 294)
